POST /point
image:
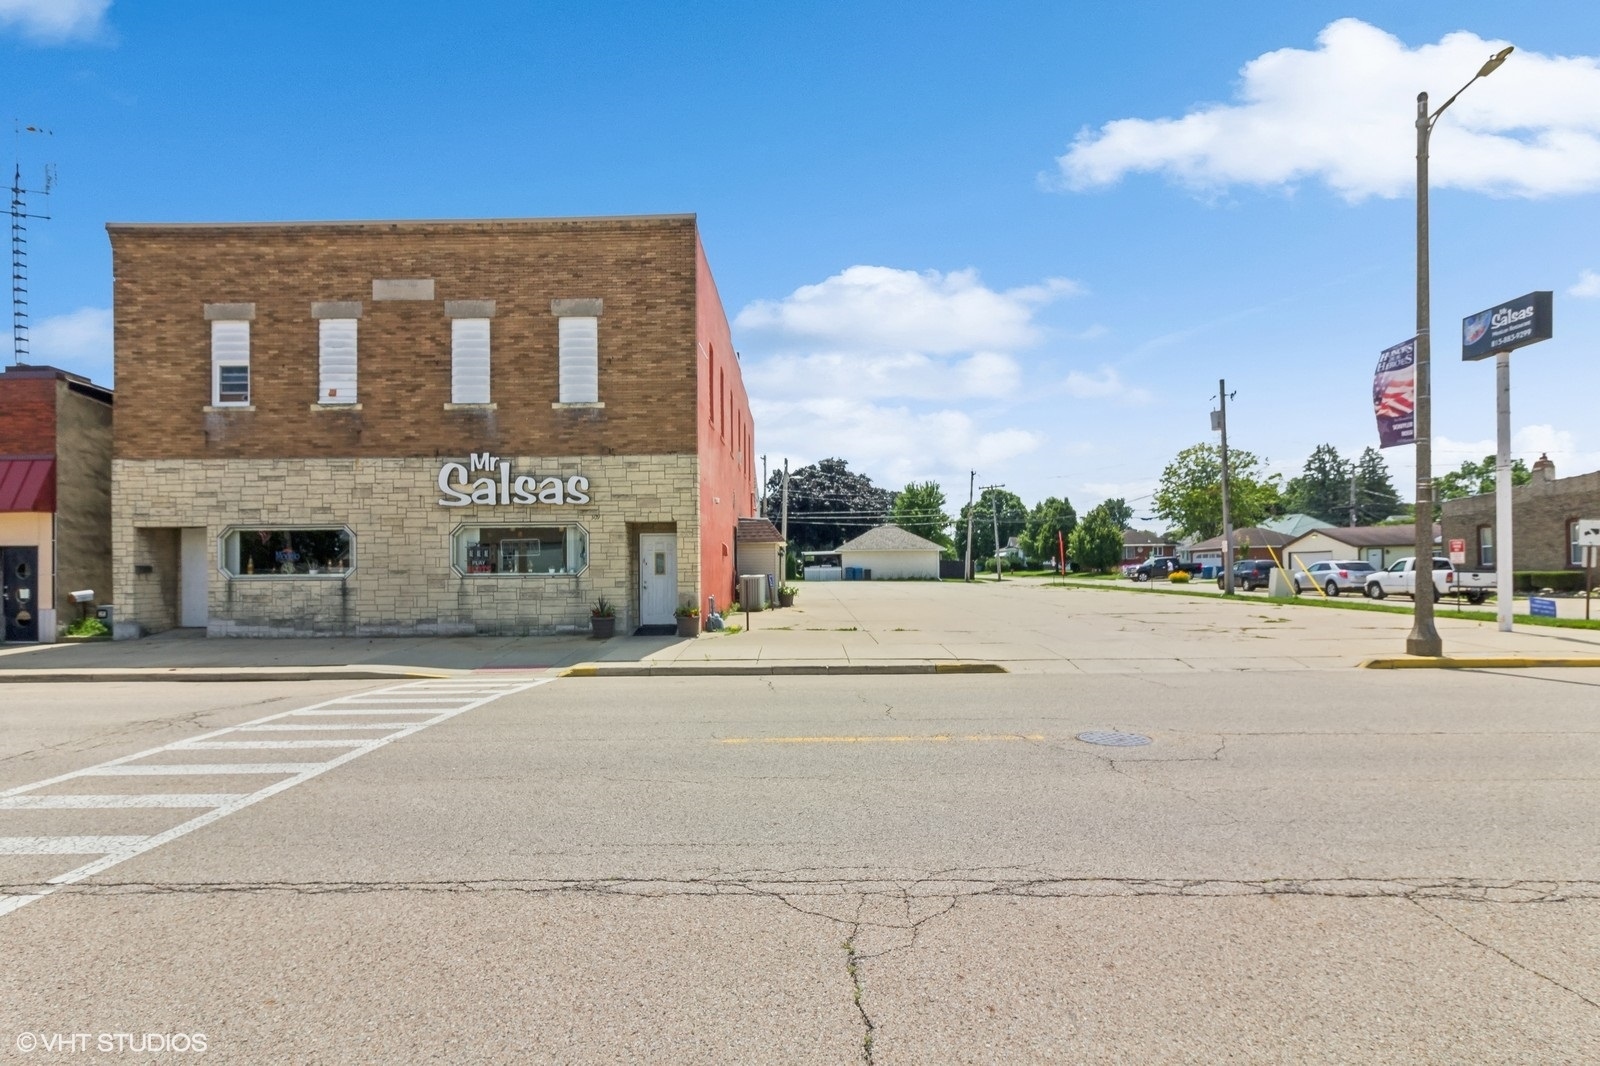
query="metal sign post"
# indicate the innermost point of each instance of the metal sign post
(1589, 541)
(1498, 332)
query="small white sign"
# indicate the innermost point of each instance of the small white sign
(1589, 532)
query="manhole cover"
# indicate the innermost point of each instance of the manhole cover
(1113, 739)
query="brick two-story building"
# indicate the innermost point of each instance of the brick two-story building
(55, 498)
(415, 427)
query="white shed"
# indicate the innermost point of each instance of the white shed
(890, 552)
(1378, 545)
(758, 549)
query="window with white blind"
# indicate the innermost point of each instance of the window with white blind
(469, 360)
(337, 360)
(230, 363)
(580, 359)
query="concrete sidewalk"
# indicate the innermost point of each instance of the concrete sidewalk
(1019, 625)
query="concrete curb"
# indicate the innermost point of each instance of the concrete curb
(217, 674)
(734, 669)
(1475, 662)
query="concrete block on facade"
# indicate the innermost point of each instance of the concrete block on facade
(234, 312)
(336, 309)
(402, 288)
(469, 309)
(125, 629)
(577, 308)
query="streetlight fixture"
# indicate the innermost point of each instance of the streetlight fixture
(1424, 638)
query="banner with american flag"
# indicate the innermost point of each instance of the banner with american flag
(1394, 394)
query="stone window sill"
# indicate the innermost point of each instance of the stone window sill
(336, 407)
(225, 408)
(577, 406)
(470, 406)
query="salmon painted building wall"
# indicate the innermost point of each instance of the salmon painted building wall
(726, 439)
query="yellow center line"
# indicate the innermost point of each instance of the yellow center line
(936, 738)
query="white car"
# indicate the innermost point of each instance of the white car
(1334, 577)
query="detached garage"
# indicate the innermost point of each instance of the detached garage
(1378, 545)
(890, 552)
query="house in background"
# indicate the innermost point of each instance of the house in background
(1140, 544)
(758, 549)
(1545, 515)
(55, 498)
(1295, 524)
(1378, 545)
(890, 552)
(1251, 542)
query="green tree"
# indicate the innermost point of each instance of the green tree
(829, 504)
(1013, 519)
(1049, 517)
(1323, 488)
(1096, 543)
(1118, 511)
(1475, 479)
(1376, 498)
(1190, 493)
(919, 508)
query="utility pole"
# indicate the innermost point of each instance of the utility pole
(994, 511)
(972, 482)
(766, 494)
(785, 528)
(1227, 514)
(1352, 495)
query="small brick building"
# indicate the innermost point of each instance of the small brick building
(1544, 520)
(422, 427)
(55, 498)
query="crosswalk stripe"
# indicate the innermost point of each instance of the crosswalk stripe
(211, 745)
(67, 845)
(198, 769)
(111, 802)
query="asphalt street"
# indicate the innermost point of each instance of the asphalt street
(1321, 866)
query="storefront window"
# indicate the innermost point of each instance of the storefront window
(521, 549)
(288, 552)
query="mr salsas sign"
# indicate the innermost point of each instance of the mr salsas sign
(497, 486)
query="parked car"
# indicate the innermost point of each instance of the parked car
(1400, 580)
(1335, 577)
(1249, 574)
(1163, 566)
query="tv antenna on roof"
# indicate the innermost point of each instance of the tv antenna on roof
(19, 243)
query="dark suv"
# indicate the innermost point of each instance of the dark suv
(1249, 574)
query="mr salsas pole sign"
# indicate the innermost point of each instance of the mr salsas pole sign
(1525, 320)
(499, 488)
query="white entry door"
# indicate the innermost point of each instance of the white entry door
(192, 569)
(658, 578)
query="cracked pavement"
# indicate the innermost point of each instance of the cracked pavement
(1337, 866)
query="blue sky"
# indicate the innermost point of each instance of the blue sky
(1026, 238)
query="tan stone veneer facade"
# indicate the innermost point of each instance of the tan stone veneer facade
(402, 581)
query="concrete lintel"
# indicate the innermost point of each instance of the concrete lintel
(230, 312)
(577, 308)
(336, 309)
(469, 309)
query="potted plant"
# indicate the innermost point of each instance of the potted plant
(786, 595)
(603, 619)
(688, 615)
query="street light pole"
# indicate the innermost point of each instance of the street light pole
(1424, 638)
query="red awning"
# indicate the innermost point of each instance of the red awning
(28, 484)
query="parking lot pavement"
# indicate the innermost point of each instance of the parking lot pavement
(1026, 625)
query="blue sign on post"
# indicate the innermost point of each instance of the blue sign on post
(1542, 607)
(1515, 323)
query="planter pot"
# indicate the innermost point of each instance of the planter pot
(688, 625)
(604, 627)
(785, 599)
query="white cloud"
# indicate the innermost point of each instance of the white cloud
(876, 376)
(1106, 385)
(891, 444)
(1528, 443)
(882, 308)
(55, 21)
(1344, 113)
(79, 341)
(1588, 285)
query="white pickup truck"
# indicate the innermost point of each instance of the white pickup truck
(1400, 580)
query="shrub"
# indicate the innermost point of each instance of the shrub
(87, 627)
(1179, 577)
(1560, 580)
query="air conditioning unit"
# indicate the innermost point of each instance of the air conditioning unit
(753, 592)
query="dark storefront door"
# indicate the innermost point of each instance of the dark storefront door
(20, 569)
